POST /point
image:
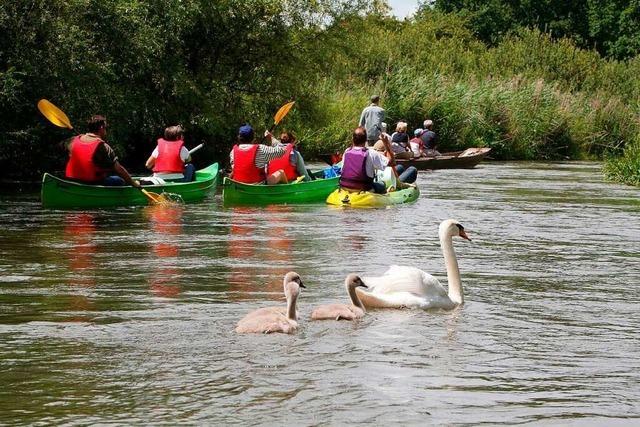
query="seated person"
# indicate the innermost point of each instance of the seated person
(416, 143)
(430, 140)
(249, 159)
(359, 165)
(93, 161)
(400, 142)
(291, 163)
(169, 159)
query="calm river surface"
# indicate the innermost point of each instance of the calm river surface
(127, 316)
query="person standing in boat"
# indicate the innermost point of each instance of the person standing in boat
(429, 140)
(292, 163)
(93, 161)
(249, 159)
(169, 160)
(371, 119)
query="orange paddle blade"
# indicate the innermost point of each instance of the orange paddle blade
(283, 111)
(54, 114)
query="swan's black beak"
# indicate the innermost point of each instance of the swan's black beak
(464, 235)
(362, 285)
(302, 284)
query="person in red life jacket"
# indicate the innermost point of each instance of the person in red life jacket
(249, 159)
(169, 159)
(359, 164)
(93, 161)
(292, 163)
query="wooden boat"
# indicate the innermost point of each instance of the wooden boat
(238, 193)
(62, 193)
(369, 199)
(466, 159)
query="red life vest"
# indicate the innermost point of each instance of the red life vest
(169, 160)
(80, 165)
(244, 166)
(284, 162)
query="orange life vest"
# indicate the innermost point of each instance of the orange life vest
(284, 162)
(80, 165)
(244, 166)
(169, 160)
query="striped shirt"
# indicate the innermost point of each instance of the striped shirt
(264, 154)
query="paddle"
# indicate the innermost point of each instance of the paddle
(196, 148)
(282, 112)
(57, 117)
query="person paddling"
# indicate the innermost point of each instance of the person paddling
(93, 161)
(170, 158)
(291, 163)
(249, 159)
(359, 164)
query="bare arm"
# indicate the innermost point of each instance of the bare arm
(122, 173)
(151, 161)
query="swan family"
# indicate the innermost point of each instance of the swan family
(398, 287)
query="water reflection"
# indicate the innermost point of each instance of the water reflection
(259, 237)
(166, 224)
(79, 232)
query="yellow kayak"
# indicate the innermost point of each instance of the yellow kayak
(369, 199)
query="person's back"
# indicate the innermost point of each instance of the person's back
(169, 159)
(354, 169)
(292, 162)
(371, 119)
(249, 159)
(416, 143)
(93, 161)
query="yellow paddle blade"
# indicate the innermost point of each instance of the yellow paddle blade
(283, 111)
(54, 114)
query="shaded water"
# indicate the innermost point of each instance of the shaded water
(127, 315)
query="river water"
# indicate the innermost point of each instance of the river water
(127, 315)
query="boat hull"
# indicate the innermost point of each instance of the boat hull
(368, 199)
(466, 159)
(60, 193)
(316, 191)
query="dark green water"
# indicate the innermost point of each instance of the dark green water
(127, 316)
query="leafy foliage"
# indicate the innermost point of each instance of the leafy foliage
(529, 93)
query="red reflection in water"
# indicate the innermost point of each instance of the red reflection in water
(79, 230)
(260, 237)
(166, 222)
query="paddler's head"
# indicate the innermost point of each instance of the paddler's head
(245, 134)
(359, 138)
(97, 125)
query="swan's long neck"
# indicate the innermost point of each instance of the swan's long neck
(355, 300)
(453, 272)
(291, 306)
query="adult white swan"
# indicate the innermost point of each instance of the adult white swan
(410, 287)
(275, 319)
(352, 311)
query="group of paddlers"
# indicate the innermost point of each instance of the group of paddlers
(372, 150)
(93, 161)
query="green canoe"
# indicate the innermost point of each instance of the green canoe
(316, 191)
(61, 193)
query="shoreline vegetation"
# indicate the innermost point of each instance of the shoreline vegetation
(213, 65)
